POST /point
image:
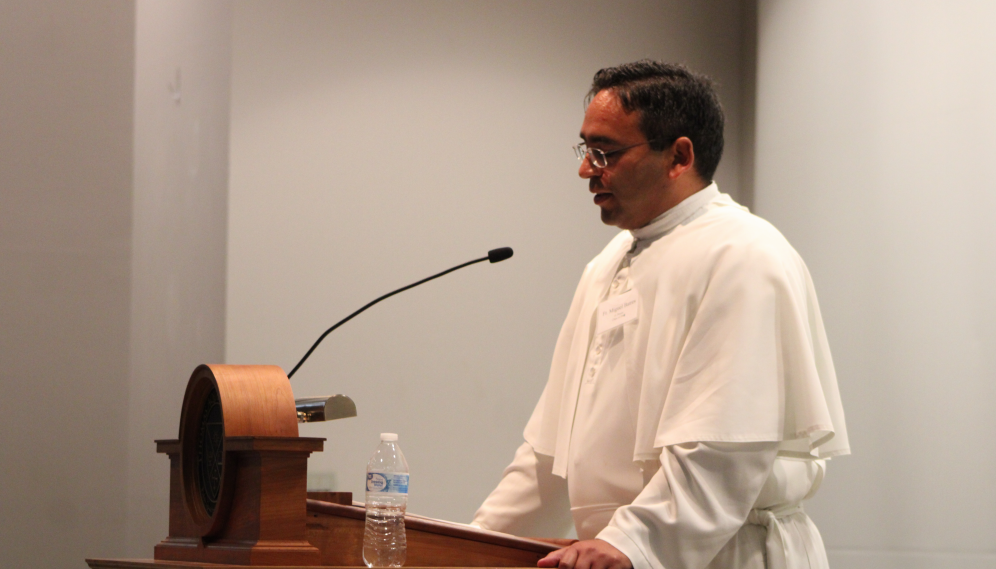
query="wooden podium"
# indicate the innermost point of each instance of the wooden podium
(238, 491)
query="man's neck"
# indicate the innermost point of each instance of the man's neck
(682, 189)
(677, 215)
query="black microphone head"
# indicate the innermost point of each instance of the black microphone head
(499, 254)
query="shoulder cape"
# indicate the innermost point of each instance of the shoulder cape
(729, 344)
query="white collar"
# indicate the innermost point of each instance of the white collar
(667, 221)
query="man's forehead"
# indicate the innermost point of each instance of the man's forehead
(606, 121)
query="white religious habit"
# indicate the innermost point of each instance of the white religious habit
(691, 402)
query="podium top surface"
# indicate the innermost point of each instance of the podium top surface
(442, 527)
(154, 564)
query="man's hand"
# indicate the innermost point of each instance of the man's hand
(588, 554)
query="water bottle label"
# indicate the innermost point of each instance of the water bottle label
(387, 482)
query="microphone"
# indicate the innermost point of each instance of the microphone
(495, 256)
(500, 254)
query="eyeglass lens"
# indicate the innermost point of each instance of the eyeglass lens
(598, 157)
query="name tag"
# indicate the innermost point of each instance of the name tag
(617, 311)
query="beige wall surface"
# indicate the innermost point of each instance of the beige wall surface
(375, 143)
(180, 204)
(66, 76)
(113, 181)
(875, 132)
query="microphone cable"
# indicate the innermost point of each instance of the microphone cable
(494, 255)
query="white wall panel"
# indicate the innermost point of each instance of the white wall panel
(875, 131)
(180, 205)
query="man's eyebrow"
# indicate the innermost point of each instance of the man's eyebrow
(598, 140)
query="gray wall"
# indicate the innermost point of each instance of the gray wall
(375, 143)
(182, 71)
(874, 140)
(112, 245)
(66, 76)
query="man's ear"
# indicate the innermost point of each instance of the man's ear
(682, 157)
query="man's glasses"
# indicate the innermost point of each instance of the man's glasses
(600, 158)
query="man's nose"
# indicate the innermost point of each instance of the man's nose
(586, 170)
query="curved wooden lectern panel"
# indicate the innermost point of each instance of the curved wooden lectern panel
(224, 401)
(238, 473)
(257, 400)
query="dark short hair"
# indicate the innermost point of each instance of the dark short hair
(672, 102)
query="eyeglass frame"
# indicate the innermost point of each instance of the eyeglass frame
(590, 152)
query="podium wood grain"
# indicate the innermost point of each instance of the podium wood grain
(157, 564)
(259, 517)
(337, 531)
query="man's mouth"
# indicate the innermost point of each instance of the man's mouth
(595, 186)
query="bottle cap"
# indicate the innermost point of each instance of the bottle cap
(390, 437)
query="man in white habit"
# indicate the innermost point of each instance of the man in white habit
(692, 402)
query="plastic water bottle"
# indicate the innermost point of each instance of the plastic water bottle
(384, 542)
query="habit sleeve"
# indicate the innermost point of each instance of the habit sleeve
(692, 507)
(529, 501)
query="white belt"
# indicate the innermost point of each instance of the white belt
(784, 552)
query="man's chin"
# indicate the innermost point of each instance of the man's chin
(612, 213)
(610, 217)
(615, 219)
